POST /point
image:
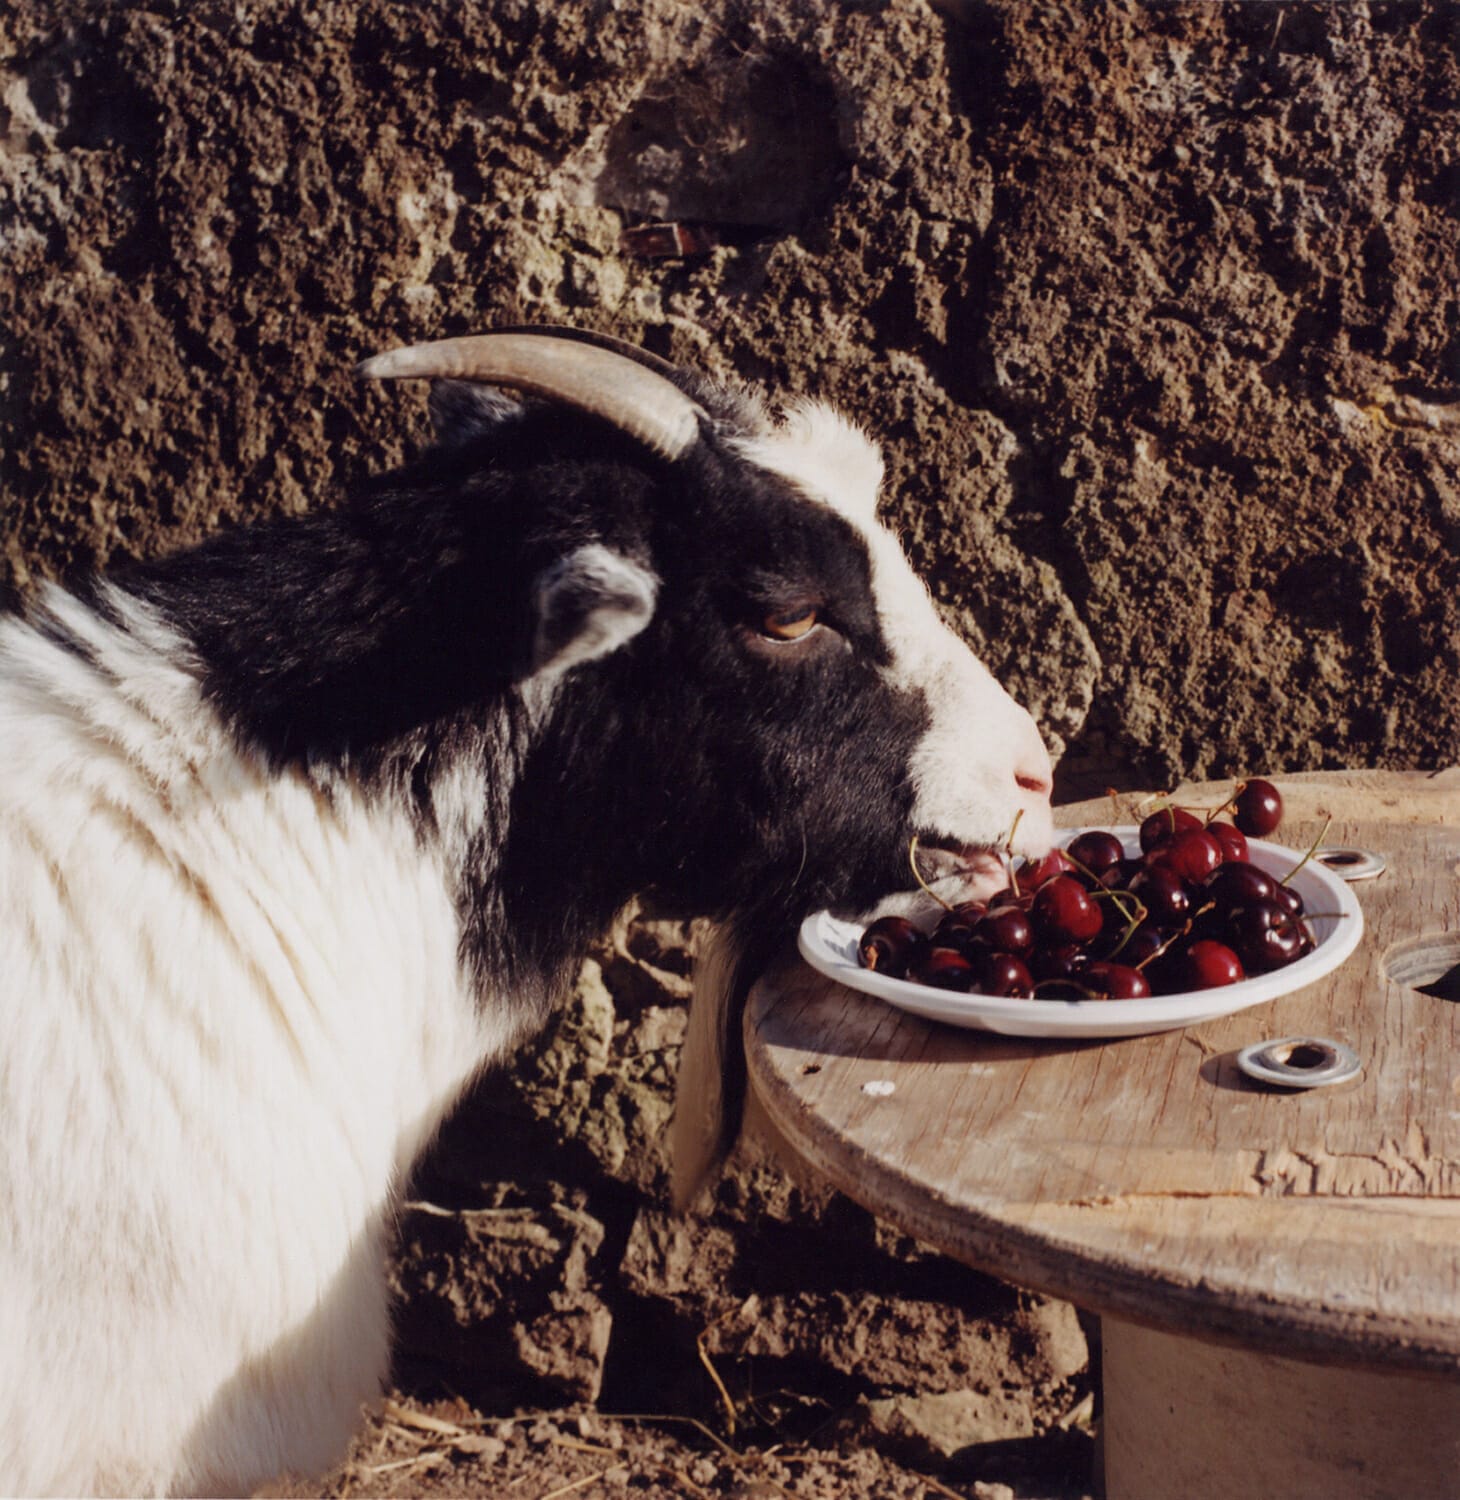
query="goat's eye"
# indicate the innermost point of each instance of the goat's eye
(788, 624)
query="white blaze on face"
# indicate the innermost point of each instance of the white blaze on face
(982, 761)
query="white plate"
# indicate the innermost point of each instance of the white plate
(829, 944)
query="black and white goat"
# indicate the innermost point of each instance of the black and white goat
(302, 828)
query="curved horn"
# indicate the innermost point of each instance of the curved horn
(602, 340)
(597, 380)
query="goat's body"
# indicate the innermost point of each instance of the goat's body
(300, 829)
(232, 1012)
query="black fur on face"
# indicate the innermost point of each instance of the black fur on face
(717, 767)
(703, 760)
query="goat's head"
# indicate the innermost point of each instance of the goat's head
(747, 701)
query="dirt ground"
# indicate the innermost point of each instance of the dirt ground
(1156, 309)
(450, 1450)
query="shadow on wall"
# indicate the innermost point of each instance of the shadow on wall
(747, 141)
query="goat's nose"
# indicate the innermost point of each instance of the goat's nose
(1034, 777)
(1033, 771)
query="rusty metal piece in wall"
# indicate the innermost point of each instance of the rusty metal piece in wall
(668, 240)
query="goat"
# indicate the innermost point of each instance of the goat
(301, 829)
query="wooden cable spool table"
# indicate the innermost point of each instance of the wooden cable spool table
(1277, 1272)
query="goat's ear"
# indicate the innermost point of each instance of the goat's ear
(587, 604)
(463, 411)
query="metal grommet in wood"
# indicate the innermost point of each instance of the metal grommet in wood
(1352, 864)
(1299, 1062)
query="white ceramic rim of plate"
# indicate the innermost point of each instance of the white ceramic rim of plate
(829, 945)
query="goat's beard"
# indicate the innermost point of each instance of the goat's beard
(709, 1089)
(709, 1093)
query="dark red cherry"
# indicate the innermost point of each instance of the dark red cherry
(1114, 981)
(1259, 808)
(1230, 837)
(944, 969)
(1096, 850)
(1034, 872)
(1238, 883)
(955, 928)
(1163, 826)
(890, 945)
(1163, 893)
(1287, 897)
(1059, 961)
(1065, 912)
(1141, 946)
(1207, 964)
(1010, 897)
(1265, 936)
(1193, 854)
(1006, 975)
(1005, 930)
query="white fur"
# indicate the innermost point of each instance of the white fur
(967, 772)
(232, 1014)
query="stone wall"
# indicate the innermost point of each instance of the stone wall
(1155, 307)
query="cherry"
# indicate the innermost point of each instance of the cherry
(1265, 936)
(1193, 854)
(1141, 946)
(1096, 850)
(1065, 912)
(1006, 930)
(1004, 974)
(1163, 893)
(1259, 808)
(1010, 897)
(1208, 964)
(1238, 883)
(1163, 825)
(1061, 961)
(956, 928)
(890, 945)
(944, 969)
(1230, 837)
(1193, 911)
(1034, 872)
(1114, 981)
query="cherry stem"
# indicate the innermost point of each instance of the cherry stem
(1131, 922)
(1175, 937)
(1013, 829)
(1312, 850)
(1009, 852)
(1229, 805)
(912, 859)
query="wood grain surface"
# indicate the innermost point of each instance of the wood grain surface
(1147, 1178)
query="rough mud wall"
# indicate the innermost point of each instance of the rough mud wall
(1154, 306)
